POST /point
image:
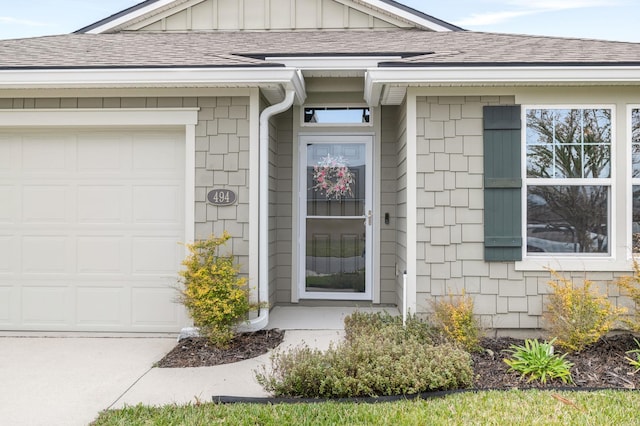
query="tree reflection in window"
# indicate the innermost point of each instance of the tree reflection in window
(568, 162)
(635, 159)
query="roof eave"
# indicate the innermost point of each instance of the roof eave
(378, 78)
(134, 12)
(268, 78)
(413, 15)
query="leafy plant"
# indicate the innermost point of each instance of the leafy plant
(384, 360)
(630, 287)
(577, 315)
(634, 362)
(454, 317)
(214, 295)
(539, 362)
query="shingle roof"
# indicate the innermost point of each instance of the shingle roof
(248, 49)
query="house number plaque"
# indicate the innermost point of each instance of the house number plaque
(222, 197)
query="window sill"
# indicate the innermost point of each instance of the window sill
(594, 264)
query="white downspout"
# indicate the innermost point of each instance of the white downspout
(263, 258)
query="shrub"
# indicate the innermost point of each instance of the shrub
(538, 361)
(630, 287)
(388, 360)
(454, 317)
(214, 295)
(362, 323)
(577, 315)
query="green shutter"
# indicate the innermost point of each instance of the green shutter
(502, 183)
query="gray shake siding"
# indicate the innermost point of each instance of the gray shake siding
(222, 161)
(450, 221)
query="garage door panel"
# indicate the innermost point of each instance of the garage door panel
(7, 300)
(45, 204)
(46, 254)
(102, 307)
(157, 204)
(156, 152)
(7, 156)
(102, 204)
(8, 260)
(8, 202)
(45, 153)
(103, 152)
(157, 256)
(101, 255)
(46, 305)
(154, 306)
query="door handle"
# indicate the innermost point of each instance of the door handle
(369, 217)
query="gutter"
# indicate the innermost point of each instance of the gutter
(263, 259)
(379, 79)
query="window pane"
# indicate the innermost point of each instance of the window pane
(635, 141)
(568, 161)
(539, 161)
(353, 115)
(581, 139)
(635, 125)
(596, 126)
(635, 226)
(336, 179)
(567, 219)
(597, 161)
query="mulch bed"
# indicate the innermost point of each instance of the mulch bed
(199, 352)
(601, 365)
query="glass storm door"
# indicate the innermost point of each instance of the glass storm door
(336, 217)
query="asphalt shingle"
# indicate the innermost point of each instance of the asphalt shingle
(248, 49)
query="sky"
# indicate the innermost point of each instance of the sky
(599, 19)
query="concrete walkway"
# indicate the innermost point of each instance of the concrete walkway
(69, 380)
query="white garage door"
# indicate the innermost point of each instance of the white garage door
(90, 226)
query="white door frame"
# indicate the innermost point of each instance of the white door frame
(367, 215)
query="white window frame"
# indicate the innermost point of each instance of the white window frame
(580, 261)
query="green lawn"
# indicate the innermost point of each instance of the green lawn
(482, 408)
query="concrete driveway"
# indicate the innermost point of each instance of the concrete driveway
(68, 381)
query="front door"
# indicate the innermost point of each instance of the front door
(335, 217)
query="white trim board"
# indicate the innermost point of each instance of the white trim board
(99, 117)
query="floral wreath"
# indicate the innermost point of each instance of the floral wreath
(332, 175)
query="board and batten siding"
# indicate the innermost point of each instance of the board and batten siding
(281, 15)
(401, 198)
(388, 204)
(284, 206)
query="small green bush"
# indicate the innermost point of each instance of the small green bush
(387, 359)
(362, 323)
(214, 295)
(539, 362)
(577, 315)
(454, 317)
